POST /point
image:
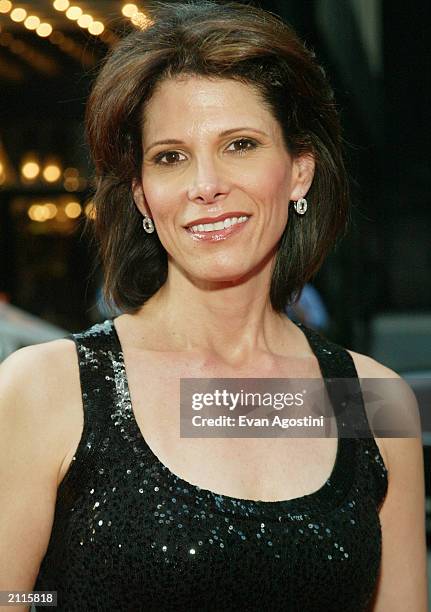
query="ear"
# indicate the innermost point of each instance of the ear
(139, 197)
(302, 175)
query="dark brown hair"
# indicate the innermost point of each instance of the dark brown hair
(209, 39)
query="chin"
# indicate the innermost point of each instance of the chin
(223, 274)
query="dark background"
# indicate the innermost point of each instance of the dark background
(377, 58)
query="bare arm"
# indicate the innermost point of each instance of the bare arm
(32, 446)
(403, 579)
(402, 583)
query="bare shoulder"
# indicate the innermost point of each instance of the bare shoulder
(367, 367)
(40, 371)
(40, 393)
(403, 401)
(39, 417)
(42, 351)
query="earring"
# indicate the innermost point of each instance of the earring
(300, 206)
(148, 224)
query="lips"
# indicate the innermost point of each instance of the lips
(222, 217)
(217, 235)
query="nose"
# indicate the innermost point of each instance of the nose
(207, 187)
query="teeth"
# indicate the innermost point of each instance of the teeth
(210, 227)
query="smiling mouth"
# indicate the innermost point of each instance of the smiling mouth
(219, 231)
(218, 225)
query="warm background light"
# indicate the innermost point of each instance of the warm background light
(51, 173)
(51, 209)
(84, 21)
(61, 5)
(129, 10)
(30, 170)
(71, 173)
(74, 13)
(71, 183)
(90, 210)
(32, 22)
(73, 210)
(96, 28)
(18, 14)
(5, 6)
(45, 29)
(141, 20)
(38, 212)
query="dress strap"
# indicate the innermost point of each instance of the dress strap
(97, 390)
(342, 384)
(334, 360)
(337, 364)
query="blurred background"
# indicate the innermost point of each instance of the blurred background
(372, 295)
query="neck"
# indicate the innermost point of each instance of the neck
(233, 321)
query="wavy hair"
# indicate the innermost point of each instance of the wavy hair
(234, 41)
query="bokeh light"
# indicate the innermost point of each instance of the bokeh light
(85, 20)
(71, 183)
(129, 10)
(71, 173)
(32, 22)
(141, 20)
(5, 6)
(39, 213)
(51, 209)
(96, 28)
(90, 210)
(61, 5)
(74, 13)
(18, 15)
(51, 173)
(73, 210)
(30, 170)
(45, 29)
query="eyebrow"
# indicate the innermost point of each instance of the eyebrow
(224, 133)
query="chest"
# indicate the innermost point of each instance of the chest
(148, 537)
(267, 469)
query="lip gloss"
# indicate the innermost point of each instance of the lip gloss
(217, 235)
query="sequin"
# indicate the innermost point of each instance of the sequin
(160, 543)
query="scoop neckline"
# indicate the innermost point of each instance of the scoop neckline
(327, 497)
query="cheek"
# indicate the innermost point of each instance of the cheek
(271, 186)
(159, 197)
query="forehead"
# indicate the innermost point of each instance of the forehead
(204, 102)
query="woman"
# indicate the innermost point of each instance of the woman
(214, 114)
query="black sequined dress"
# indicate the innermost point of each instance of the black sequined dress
(130, 535)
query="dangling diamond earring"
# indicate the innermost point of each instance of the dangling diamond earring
(300, 206)
(148, 224)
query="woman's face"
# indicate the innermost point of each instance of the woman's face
(222, 156)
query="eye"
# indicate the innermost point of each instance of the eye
(169, 155)
(243, 150)
(173, 155)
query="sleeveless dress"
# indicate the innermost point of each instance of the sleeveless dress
(128, 534)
